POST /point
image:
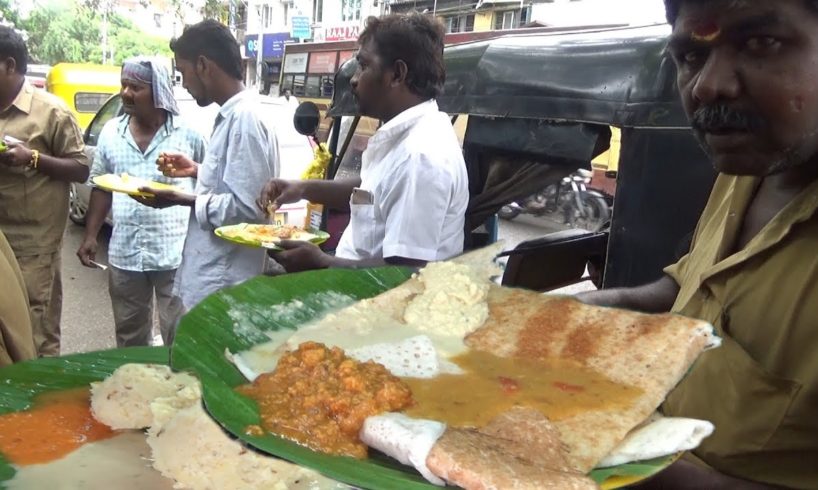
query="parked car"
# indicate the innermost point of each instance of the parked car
(294, 149)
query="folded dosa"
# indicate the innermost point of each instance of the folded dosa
(474, 460)
(650, 352)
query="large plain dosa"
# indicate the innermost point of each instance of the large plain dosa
(650, 352)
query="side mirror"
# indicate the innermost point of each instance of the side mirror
(307, 118)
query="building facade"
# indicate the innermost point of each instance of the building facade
(269, 26)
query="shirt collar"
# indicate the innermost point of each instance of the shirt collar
(230, 106)
(173, 122)
(405, 119)
(802, 208)
(24, 97)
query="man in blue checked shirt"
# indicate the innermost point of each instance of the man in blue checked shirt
(146, 245)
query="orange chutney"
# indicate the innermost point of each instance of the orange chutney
(491, 385)
(57, 424)
(320, 398)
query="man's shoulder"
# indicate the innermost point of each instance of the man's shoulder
(46, 101)
(187, 130)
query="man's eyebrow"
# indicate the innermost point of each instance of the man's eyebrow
(751, 24)
(680, 40)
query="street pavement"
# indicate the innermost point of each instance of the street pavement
(87, 320)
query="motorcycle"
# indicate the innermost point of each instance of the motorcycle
(569, 200)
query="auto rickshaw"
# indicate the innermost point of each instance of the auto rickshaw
(540, 106)
(85, 87)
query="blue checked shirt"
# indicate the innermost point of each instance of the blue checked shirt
(144, 238)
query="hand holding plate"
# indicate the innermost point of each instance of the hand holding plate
(16, 155)
(165, 198)
(300, 256)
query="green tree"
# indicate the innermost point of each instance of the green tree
(8, 9)
(129, 42)
(60, 32)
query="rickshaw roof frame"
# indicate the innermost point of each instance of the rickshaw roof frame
(613, 76)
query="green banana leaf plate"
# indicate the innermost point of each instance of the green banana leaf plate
(237, 318)
(22, 382)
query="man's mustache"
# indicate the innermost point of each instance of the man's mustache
(723, 118)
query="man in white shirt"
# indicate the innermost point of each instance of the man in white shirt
(409, 204)
(241, 156)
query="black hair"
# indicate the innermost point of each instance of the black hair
(213, 40)
(417, 40)
(13, 46)
(672, 7)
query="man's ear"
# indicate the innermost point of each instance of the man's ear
(400, 72)
(202, 66)
(10, 64)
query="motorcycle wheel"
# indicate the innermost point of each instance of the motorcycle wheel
(597, 213)
(508, 212)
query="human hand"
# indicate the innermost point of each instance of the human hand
(300, 256)
(16, 155)
(164, 198)
(277, 192)
(176, 165)
(87, 252)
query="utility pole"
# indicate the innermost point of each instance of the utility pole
(260, 48)
(104, 33)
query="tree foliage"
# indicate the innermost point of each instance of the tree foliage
(72, 32)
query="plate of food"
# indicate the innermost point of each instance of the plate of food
(128, 184)
(267, 236)
(388, 378)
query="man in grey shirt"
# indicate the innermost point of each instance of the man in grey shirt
(241, 157)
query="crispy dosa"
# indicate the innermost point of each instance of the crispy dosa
(650, 352)
(476, 461)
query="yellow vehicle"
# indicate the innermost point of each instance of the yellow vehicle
(84, 87)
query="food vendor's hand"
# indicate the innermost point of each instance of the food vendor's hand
(87, 252)
(16, 155)
(177, 165)
(278, 192)
(165, 198)
(300, 256)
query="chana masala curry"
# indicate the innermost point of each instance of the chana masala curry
(320, 398)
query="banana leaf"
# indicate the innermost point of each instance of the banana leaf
(237, 318)
(21, 383)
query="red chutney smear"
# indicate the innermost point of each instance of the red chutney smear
(57, 424)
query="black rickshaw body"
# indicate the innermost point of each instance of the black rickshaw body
(536, 106)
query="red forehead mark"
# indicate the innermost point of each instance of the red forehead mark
(706, 31)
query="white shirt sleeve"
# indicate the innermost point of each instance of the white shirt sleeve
(415, 200)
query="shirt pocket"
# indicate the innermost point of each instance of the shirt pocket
(749, 403)
(363, 226)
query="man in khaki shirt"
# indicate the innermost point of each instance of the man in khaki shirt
(746, 74)
(16, 339)
(45, 153)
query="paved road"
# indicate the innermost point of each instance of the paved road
(87, 320)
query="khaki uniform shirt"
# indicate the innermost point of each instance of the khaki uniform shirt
(16, 340)
(760, 388)
(33, 206)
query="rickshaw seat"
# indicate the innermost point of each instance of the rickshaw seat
(554, 260)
